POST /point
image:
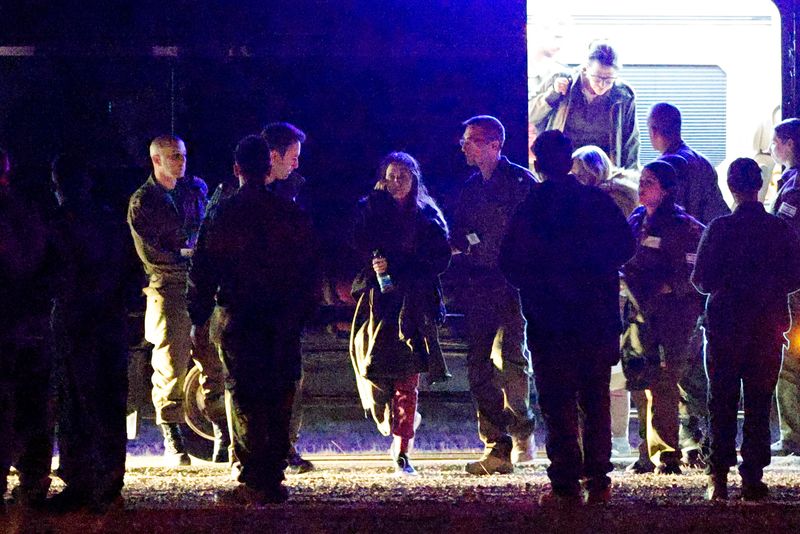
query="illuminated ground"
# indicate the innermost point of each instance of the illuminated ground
(346, 494)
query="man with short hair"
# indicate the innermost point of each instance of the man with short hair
(747, 263)
(563, 249)
(498, 362)
(285, 142)
(592, 106)
(164, 216)
(257, 261)
(697, 190)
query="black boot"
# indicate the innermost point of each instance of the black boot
(717, 487)
(297, 465)
(175, 454)
(754, 490)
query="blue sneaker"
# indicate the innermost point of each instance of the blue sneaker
(403, 466)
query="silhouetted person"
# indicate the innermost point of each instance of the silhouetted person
(747, 264)
(89, 319)
(256, 255)
(563, 250)
(27, 284)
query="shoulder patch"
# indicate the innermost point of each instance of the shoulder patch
(787, 209)
(651, 242)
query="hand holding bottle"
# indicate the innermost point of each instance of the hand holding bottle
(381, 267)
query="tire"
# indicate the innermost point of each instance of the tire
(199, 436)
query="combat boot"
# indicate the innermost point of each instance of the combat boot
(297, 464)
(668, 468)
(175, 454)
(717, 487)
(523, 450)
(754, 490)
(496, 459)
(553, 499)
(31, 494)
(641, 466)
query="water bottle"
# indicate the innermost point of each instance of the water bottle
(384, 280)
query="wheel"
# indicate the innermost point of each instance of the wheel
(199, 438)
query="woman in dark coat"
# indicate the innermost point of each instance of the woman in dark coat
(657, 279)
(400, 232)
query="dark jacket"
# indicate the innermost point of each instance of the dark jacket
(698, 191)
(786, 207)
(616, 133)
(747, 264)
(563, 250)
(163, 222)
(485, 208)
(416, 248)
(665, 254)
(257, 255)
(95, 263)
(28, 268)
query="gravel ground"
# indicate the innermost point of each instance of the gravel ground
(359, 496)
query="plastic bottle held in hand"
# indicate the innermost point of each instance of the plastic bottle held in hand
(384, 280)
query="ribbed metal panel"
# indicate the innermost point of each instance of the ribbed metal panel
(699, 91)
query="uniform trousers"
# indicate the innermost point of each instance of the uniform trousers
(26, 423)
(92, 370)
(741, 359)
(498, 362)
(788, 391)
(259, 392)
(167, 327)
(666, 339)
(572, 379)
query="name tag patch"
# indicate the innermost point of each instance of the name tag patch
(691, 258)
(787, 209)
(652, 242)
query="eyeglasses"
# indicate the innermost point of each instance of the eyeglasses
(471, 140)
(601, 80)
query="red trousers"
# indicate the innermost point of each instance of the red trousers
(399, 399)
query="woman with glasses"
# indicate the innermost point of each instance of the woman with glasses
(592, 106)
(403, 237)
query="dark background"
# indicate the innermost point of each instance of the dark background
(360, 77)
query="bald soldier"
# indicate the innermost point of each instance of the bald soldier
(164, 215)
